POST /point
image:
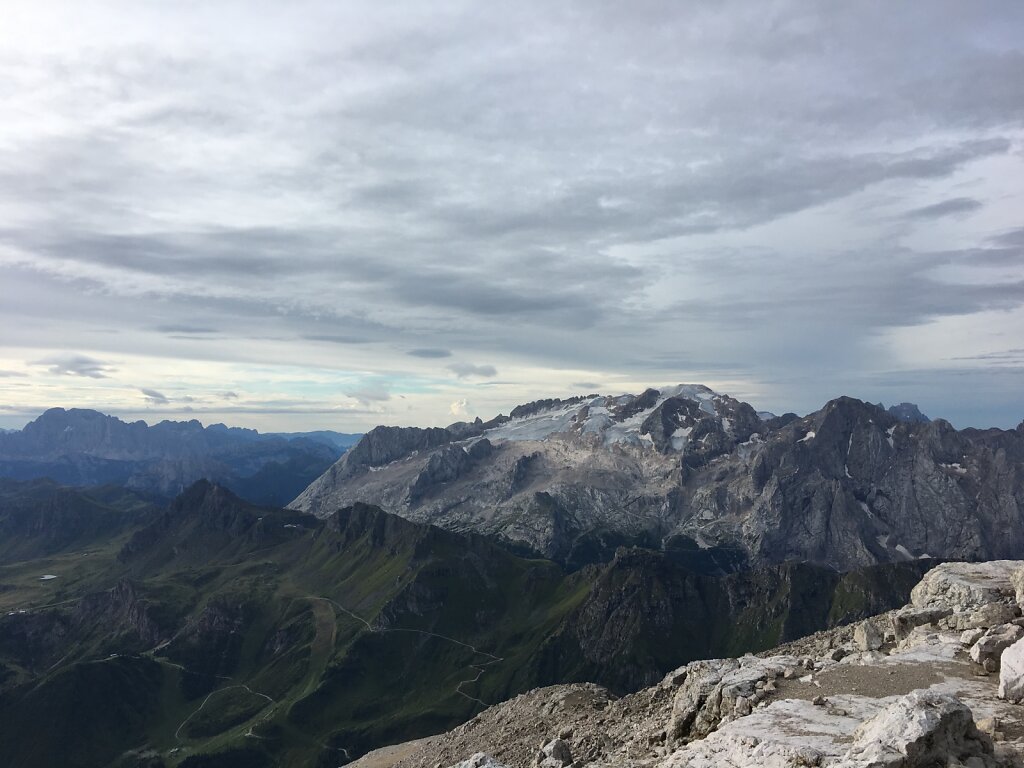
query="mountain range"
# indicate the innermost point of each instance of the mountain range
(84, 447)
(685, 468)
(425, 574)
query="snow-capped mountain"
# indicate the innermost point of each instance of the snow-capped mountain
(688, 469)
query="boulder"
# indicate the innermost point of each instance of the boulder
(479, 760)
(719, 688)
(1017, 580)
(964, 587)
(970, 636)
(989, 615)
(867, 636)
(920, 729)
(1011, 672)
(554, 754)
(907, 618)
(994, 642)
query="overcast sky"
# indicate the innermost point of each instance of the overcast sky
(332, 215)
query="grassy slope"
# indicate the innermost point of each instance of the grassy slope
(301, 601)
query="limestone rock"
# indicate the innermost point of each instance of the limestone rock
(918, 730)
(987, 616)
(970, 636)
(994, 642)
(479, 760)
(907, 618)
(1017, 580)
(554, 754)
(720, 688)
(867, 636)
(964, 587)
(1011, 672)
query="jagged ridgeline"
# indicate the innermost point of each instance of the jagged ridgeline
(687, 469)
(214, 632)
(83, 447)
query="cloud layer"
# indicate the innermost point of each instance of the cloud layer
(337, 215)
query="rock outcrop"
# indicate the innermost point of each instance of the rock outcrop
(1011, 672)
(824, 700)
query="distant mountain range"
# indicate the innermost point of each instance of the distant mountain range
(687, 469)
(85, 448)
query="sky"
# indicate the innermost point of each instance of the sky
(323, 215)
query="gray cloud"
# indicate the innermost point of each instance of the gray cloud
(953, 206)
(466, 370)
(430, 353)
(1013, 238)
(371, 394)
(153, 397)
(336, 338)
(76, 365)
(183, 329)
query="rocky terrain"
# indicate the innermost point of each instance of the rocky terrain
(86, 448)
(938, 682)
(685, 468)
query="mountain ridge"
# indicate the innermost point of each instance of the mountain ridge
(84, 447)
(229, 628)
(847, 485)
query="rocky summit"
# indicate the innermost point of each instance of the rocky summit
(903, 689)
(685, 468)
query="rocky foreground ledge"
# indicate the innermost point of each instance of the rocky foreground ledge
(938, 682)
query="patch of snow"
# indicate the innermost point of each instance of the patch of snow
(680, 438)
(905, 552)
(537, 426)
(47, 577)
(808, 437)
(744, 450)
(888, 435)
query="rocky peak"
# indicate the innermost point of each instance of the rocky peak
(216, 507)
(382, 445)
(380, 528)
(908, 412)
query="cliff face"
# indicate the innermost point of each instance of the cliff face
(847, 486)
